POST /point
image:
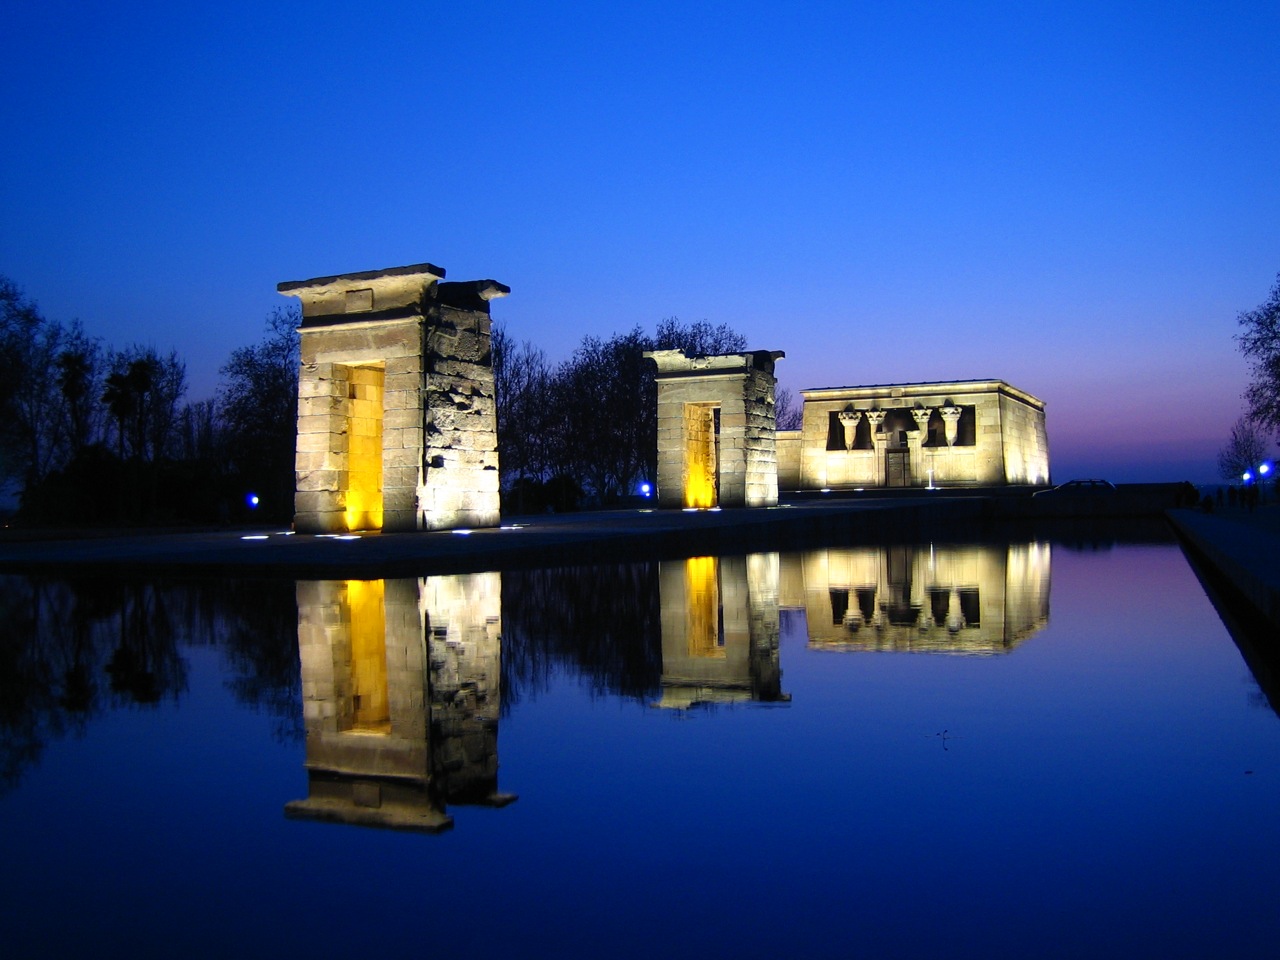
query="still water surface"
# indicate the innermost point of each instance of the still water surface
(1008, 750)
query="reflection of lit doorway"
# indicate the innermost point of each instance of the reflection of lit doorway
(364, 447)
(364, 609)
(706, 618)
(701, 455)
(897, 468)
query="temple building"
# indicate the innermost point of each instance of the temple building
(954, 433)
(397, 424)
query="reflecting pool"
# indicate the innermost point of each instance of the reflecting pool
(923, 750)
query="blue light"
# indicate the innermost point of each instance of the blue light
(1247, 476)
(252, 500)
(1264, 469)
(645, 488)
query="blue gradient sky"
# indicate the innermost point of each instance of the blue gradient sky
(1075, 198)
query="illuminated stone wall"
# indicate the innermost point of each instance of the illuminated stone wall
(981, 432)
(1026, 445)
(974, 600)
(417, 451)
(789, 445)
(694, 394)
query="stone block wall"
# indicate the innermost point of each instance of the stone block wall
(788, 446)
(460, 453)
(759, 440)
(1026, 445)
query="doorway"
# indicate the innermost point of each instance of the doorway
(701, 455)
(363, 510)
(897, 468)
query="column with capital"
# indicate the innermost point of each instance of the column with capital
(878, 442)
(951, 419)
(849, 420)
(916, 439)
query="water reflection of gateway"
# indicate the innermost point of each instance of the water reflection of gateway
(720, 631)
(400, 698)
(935, 599)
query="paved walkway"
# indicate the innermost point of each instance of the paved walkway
(1243, 546)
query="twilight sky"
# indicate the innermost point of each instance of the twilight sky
(1075, 198)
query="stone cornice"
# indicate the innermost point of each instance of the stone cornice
(427, 271)
(914, 391)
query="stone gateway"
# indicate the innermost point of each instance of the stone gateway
(716, 429)
(397, 422)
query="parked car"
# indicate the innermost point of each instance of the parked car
(1079, 488)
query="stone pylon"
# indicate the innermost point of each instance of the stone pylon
(397, 423)
(716, 429)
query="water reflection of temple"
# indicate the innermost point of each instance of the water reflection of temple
(974, 599)
(720, 616)
(400, 689)
(720, 630)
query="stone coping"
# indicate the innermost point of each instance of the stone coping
(426, 270)
(911, 391)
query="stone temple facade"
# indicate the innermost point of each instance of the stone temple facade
(397, 424)
(957, 433)
(716, 429)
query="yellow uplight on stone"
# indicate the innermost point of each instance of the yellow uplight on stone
(364, 447)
